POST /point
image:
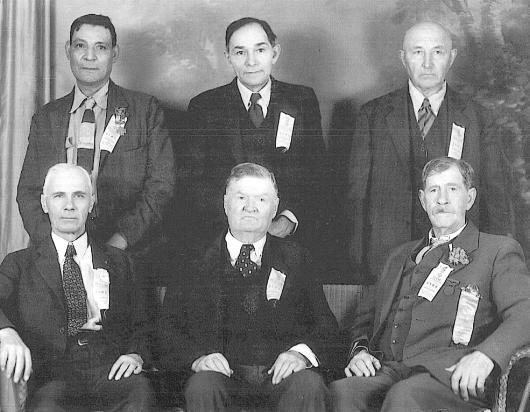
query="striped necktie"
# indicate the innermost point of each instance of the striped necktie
(87, 132)
(426, 117)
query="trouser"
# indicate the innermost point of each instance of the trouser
(303, 391)
(80, 381)
(398, 388)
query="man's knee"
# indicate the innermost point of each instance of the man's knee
(204, 383)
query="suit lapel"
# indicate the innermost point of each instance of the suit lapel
(47, 265)
(60, 119)
(457, 110)
(398, 126)
(233, 109)
(468, 241)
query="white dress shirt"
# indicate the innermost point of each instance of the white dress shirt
(83, 258)
(435, 100)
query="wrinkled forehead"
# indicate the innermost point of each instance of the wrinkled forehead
(68, 181)
(252, 185)
(424, 34)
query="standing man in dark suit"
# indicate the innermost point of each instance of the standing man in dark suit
(255, 321)
(257, 118)
(450, 310)
(69, 317)
(397, 134)
(116, 134)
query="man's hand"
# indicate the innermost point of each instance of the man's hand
(118, 241)
(362, 364)
(281, 227)
(469, 375)
(125, 366)
(286, 364)
(15, 357)
(215, 362)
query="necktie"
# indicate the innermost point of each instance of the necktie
(74, 291)
(255, 111)
(434, 242)
(426, 117)
(244, 265)
(87, 132)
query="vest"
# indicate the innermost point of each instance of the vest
(397, 326)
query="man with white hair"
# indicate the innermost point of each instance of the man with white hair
(67, 317)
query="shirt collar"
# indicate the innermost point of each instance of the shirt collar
(435, 100)
(80, 244)
(234, 247)
(265, 93)
(446, 238)
(100, 97)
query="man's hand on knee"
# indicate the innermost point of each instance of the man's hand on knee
(362, 364)
(15, 356)
(469, 375)
(286, 364)
(125, 366)
(215, 362)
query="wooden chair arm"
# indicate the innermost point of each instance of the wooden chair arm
(502, 387)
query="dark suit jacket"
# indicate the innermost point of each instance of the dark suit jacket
(192, 324)
(380, 190)
(135, 181)
(32, 302)
(501, 324)
(216, 147)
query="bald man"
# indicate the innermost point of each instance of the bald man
(397, 134)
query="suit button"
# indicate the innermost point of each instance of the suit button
(396, 325)
(406, 297)
(394, 341)
(61, 331)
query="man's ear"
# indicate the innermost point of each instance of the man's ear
(276, 50)
(92, 201)
(115, 53)
(402, 58)
(67, 49)
(421, 195)
(472, 195)
(453, 54)
(43, 203)
(225, 204)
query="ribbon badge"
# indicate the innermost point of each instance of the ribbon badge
(120, 118)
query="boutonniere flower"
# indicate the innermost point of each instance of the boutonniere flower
(120, 118)
(458, 256)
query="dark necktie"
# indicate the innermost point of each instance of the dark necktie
(425, 117)
(87, 132)
(434, 242)
(255, 112)
(244, 264)
(74, 292)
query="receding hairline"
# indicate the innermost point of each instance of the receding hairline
(445, 35)
(64, 168)
(235, 179)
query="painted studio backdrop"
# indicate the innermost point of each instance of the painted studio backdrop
(347, 50)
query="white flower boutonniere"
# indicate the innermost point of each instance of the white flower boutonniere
(120, 118)
(458, 256)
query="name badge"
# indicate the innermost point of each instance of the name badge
(112, 133)
(86, 136)
(434, 281)
(101, 283)
(275, 284)
(285, 131)
(465, 315)
(457, 142)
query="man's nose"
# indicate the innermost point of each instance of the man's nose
(251, 60)
(90, 54)
(427, 60)
(69, 205)
(250, 205)
(442, 197)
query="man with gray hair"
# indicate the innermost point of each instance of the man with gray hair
(450, 310)
(254, 323)
(398, 133)
(69, 313)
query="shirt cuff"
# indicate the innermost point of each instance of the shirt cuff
(303, 349)
(290, 215)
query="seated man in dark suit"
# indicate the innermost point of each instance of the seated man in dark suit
(450, 310)
(256, 118)
(69, 317)
(255, 321)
